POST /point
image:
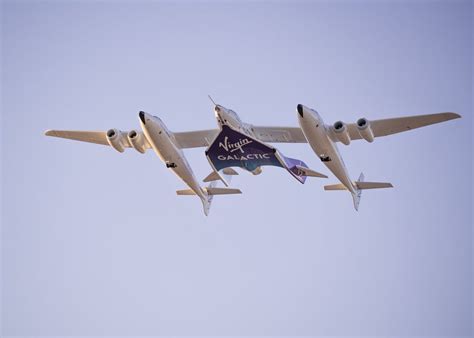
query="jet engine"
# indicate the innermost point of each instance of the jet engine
(116, 140)
(340, 129)
(137, 140)
(365, 131)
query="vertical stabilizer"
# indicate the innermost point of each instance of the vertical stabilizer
(358, 192)
(208, 197)
(206, 204)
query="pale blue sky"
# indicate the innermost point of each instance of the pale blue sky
(97, 243)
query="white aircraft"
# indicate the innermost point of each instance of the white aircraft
(322, 139)
(167, 146)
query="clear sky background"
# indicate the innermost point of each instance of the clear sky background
(97, 243)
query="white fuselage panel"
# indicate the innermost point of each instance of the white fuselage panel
(163, 143)
(317, 135)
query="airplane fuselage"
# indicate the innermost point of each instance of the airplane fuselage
(317, 134)
(163, 143)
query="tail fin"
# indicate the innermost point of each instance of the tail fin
(206, 205)
(358, 192)
(297, 168)
(211, 190)
(359, 185)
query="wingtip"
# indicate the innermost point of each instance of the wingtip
(453, 115)
(456, 115)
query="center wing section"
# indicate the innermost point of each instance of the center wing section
(231, 148)
(195, 139)
(203, 138)
(279, 134)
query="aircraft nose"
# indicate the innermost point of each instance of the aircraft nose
(141, 114)
(299, 108)
(217, 111)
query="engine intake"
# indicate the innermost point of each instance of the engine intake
(365, 130)
(342, 135)
(137, 140)
(116, 140)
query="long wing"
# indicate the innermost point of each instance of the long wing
(195, 139)
(190, 139)
(279, 134)
(399, 124)
(98, 137)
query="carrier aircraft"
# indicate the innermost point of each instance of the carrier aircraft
(321, 137)
(167, 145)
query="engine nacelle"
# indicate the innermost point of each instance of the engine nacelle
(365, 131)
(116, 140)
(137, 140)
(340, 130)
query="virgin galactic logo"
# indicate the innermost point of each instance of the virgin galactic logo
(231, 147)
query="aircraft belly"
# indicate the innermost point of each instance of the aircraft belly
(164, 147)
(174, 159)
(184, 173)
(326, 150)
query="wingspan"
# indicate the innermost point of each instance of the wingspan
(98, 137)
(279, 134)
(396, 125)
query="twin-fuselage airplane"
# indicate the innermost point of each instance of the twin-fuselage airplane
(223, 155)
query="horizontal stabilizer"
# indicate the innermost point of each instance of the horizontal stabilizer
(185, 192)
(373, 185)
(360, 186)
(222, 191)
(210, 191)
(339, 186)
(310, 173)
